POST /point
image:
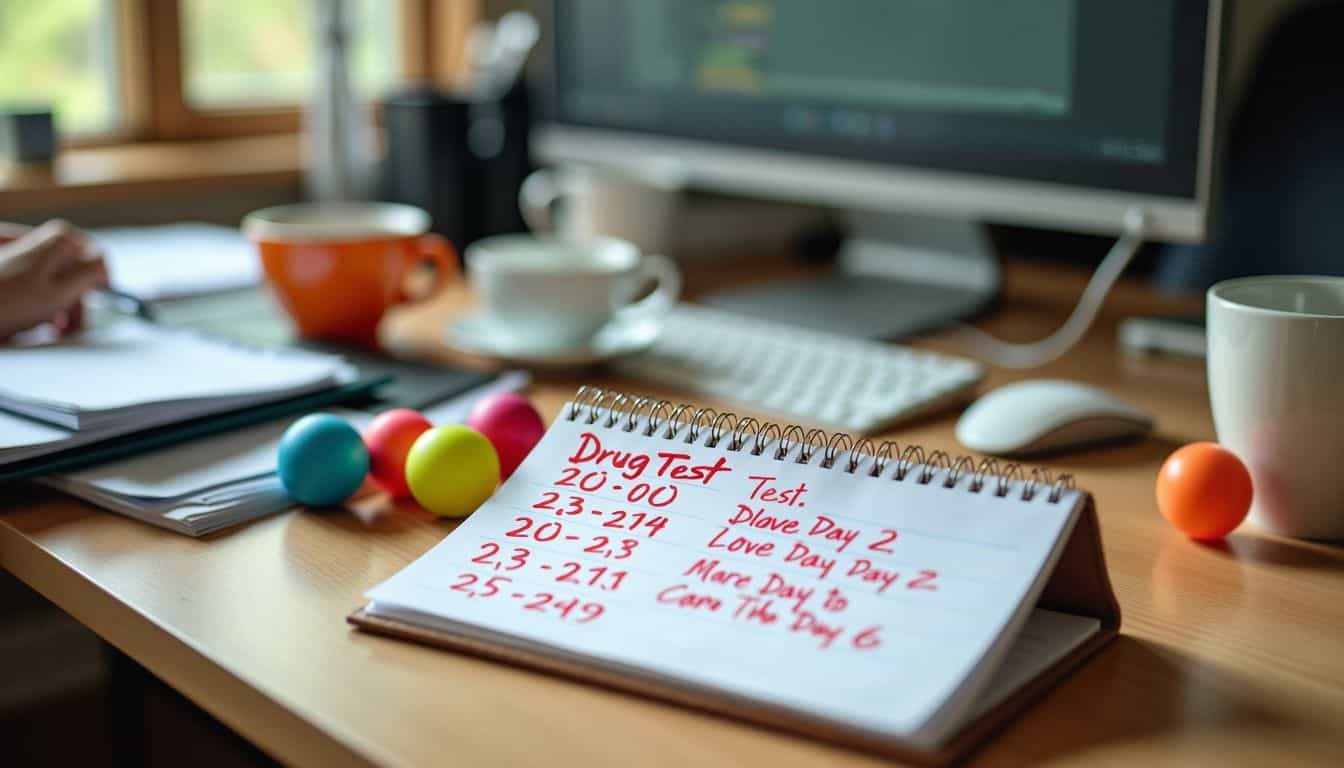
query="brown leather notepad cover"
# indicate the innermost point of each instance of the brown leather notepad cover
(1079, 585)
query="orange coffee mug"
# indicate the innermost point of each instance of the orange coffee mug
(338, 267)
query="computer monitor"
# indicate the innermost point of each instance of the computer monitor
(921, 120)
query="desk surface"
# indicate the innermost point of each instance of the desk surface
(1229, 651)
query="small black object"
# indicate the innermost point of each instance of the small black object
(460, 158)
(819, 244)
(505, 166)
(429, 162)
(28, 135)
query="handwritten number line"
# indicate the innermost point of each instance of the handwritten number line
(853, 588)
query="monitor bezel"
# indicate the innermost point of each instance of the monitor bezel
(782, 173)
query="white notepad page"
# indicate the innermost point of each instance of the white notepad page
(881, 604)
(133, 363)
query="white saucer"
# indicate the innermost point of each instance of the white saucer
(476, 335)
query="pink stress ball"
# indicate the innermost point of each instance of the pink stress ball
(389, 438)
(512, 425)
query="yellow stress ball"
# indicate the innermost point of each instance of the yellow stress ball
(452, 470)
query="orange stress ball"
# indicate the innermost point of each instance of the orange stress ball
(1204, 490)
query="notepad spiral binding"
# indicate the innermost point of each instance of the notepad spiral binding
(593, 404)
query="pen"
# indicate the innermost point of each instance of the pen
(126, 303)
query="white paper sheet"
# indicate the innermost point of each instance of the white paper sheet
(178, 260)
(17, 431)
(135, 363)
(874, 602)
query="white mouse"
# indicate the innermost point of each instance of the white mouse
(1046, 415)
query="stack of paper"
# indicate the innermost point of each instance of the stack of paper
(203, 486)
(133, 376)
(194, 514)
(134, 371)
(197, 487)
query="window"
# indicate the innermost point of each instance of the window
(182, 69)
(61, 53)
(255, 52)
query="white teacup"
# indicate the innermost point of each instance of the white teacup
(550, 293)
(1276, 383)
(638, 205)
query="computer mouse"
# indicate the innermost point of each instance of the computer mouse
(1048, 415)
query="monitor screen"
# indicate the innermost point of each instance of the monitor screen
(1094, 93)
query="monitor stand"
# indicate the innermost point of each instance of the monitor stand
(897, 275)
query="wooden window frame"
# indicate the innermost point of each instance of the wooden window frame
(154, 105)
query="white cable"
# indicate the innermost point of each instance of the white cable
(1030, 355)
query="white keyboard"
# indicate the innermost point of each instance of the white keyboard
(838, 382)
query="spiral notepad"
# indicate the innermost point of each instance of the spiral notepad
(876, 594)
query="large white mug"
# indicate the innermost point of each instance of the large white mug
(1276, 383)
(578, 202)
(547, 292)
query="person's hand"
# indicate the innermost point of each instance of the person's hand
(44, 272)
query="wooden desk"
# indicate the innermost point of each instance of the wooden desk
(1230, 652)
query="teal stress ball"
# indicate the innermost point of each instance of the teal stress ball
(322, 460)
(452, 470)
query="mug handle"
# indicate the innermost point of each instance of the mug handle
(436, 249)
(538, 193)
(665, 273)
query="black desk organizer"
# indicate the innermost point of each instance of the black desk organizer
(461, 159)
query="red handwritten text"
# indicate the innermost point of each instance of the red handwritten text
(633, 465)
